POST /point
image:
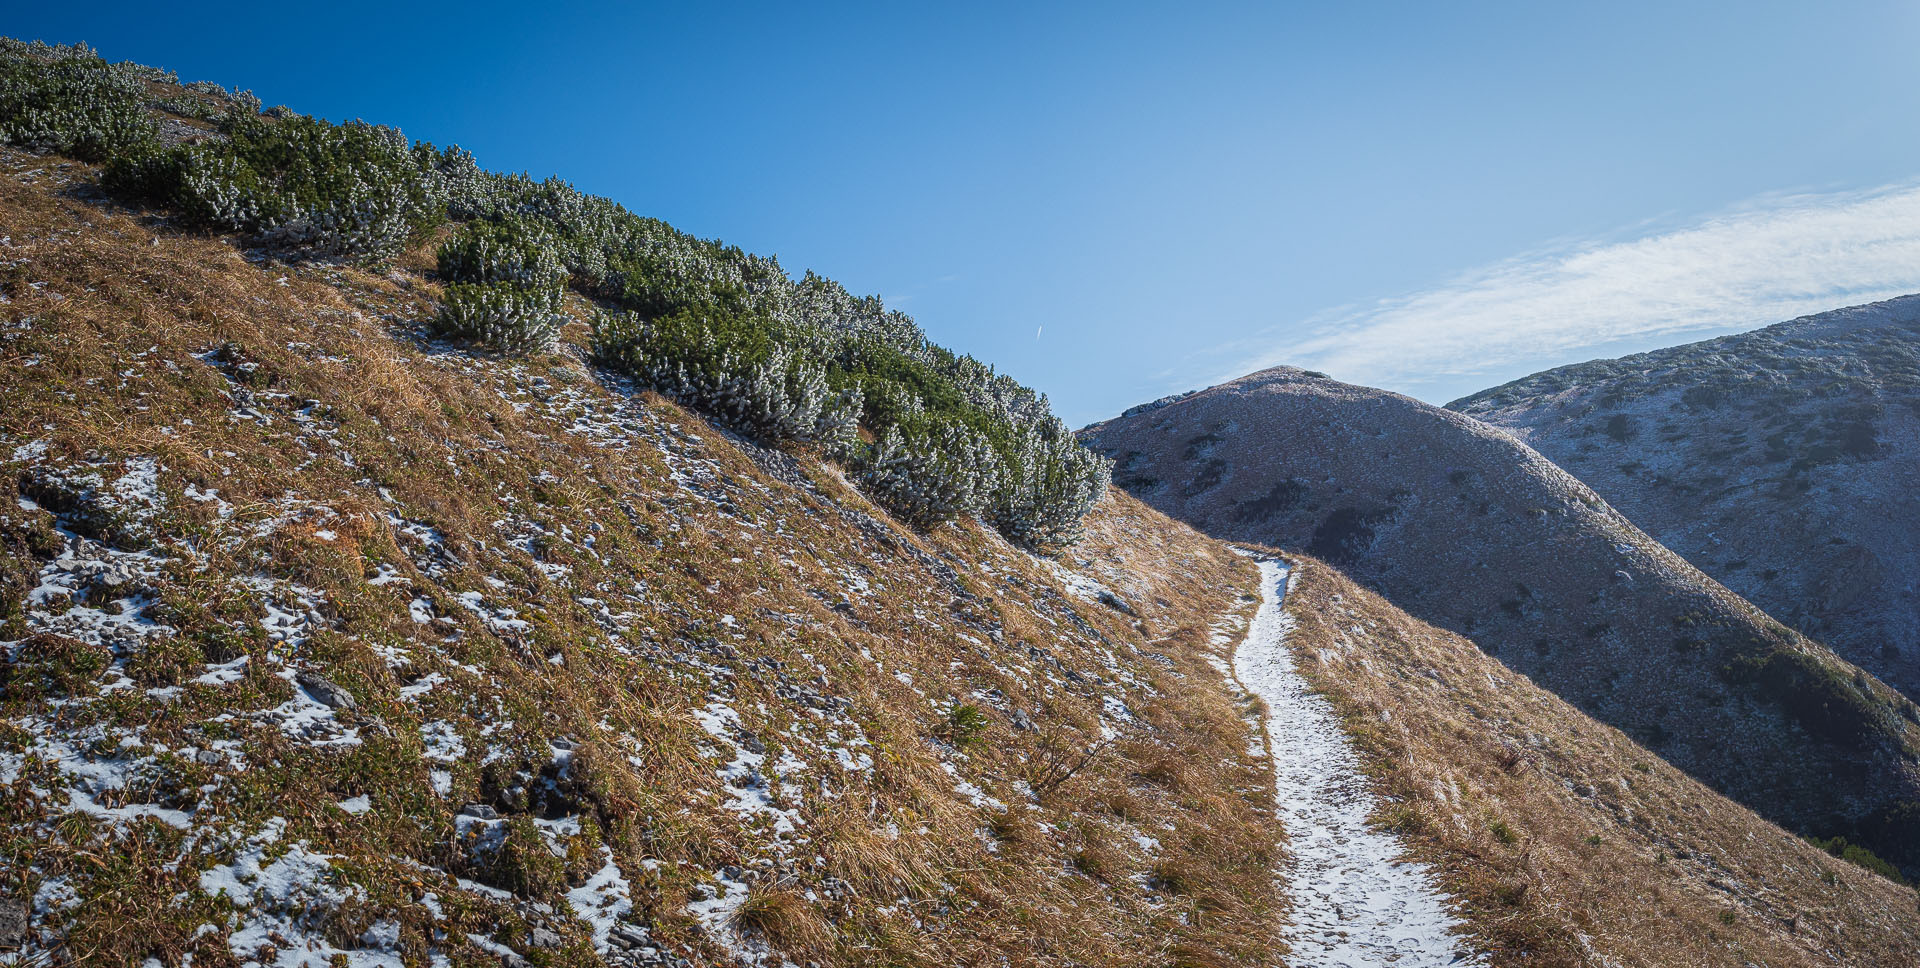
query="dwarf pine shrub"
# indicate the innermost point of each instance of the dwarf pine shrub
(736, 368)
(354, 190)
(1049, 484)
(510, 318)
(518, 252)
(505, 286)
(933, 470)
(714, 326)
(74, 105)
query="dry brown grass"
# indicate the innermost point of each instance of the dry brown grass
(909, 870)
(1570, 844)
(788, 921)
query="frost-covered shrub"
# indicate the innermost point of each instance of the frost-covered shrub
(74, 105)
(1049, 484)
(516, 251)
(352, 190)
(737, 369)
(514, 319)
(216, 104)
(931, 471)
(505, 286)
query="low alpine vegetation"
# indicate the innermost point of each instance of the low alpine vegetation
(932, 435)
(504, 287)
(68, 100)
(355, 191)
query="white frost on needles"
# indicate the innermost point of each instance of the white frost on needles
(1356, 902)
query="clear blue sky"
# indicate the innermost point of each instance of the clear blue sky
(1173, 191)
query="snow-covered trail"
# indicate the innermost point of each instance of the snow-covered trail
(1355, 902)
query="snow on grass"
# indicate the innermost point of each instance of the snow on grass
(291, 609)
(283, 900)
(974, 794)
(93, 773)
(715, 910)
(443, 742)
(502, 619)
(222, 673)
(603, 900)
(1356, 900)
(421, 686)
(211, 496)
(747, 791)
(305, 717)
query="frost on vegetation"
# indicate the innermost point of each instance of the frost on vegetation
(497, 618)
(355, 191)
(718, 328)
(746, 788)
(504, 286)
(603, 900)
(68, 100)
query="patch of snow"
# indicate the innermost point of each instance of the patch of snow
(603, 900)
(284, 900)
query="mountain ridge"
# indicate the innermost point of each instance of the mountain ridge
(1464, 527)
(1784, 461)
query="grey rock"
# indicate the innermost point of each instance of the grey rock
(13, 921)
(325, 691)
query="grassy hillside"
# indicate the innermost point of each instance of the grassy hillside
(1784, 462)
(329, 637)
(1571, 844)
(1461, 526)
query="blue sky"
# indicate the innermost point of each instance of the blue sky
(1113, 202)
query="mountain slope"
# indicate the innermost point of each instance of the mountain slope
(324, 637)
(1784, 462)
(1570, 844)
(1465, 528)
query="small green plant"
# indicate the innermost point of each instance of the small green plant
(52, 666)
(1503, 833)
(1859, 857)
(966, 724)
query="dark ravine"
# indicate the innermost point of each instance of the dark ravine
(1784, 462)
(1468, 529)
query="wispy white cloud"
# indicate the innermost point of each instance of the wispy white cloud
(1776, 258)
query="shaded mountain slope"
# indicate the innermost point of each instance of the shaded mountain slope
(1463, 527)
(1571, 844)
(1784, 462)
(323, 638)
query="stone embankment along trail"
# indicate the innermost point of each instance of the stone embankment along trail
(1356, 902)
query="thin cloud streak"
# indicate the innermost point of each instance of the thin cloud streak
(1775, 259)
